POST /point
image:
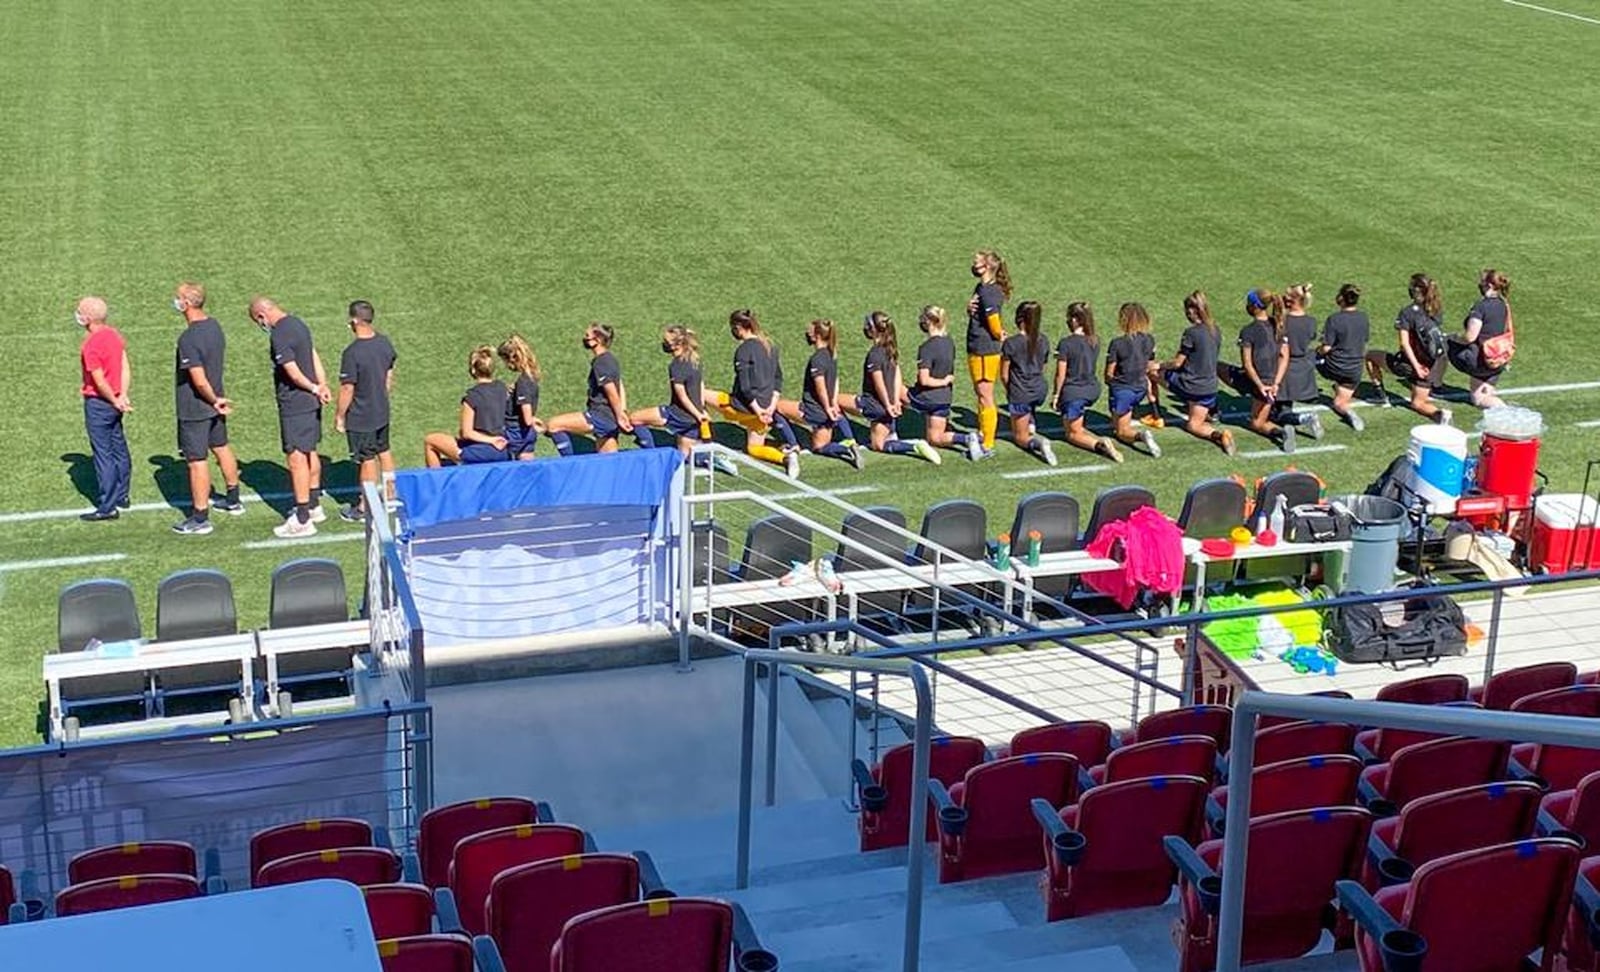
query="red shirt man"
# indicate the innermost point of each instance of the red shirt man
(106, 378)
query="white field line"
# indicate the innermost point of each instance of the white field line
(1552, 12)
(34, 515)
(302, 541)
(48, 562)
(841, 491)
(1054, 471)
(1590, 424)
(1279, 453)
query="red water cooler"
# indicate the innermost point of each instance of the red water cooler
(1506, 469)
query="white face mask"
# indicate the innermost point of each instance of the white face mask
(78, 318)
(177, 305)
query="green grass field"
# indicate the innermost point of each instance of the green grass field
(477, 168)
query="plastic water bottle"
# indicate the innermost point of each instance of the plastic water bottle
(1280, 511)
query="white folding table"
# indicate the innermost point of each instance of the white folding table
(155, 656)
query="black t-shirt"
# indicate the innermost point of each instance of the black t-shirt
(488, 401)
(1300, 381)
(201, 345)
(1080, 355)
(685, 372)
(938, 356)
(524, 391)
(1199, 346)
(1129, 357)
(291, 341)
(755, 374)
(822, 365)
(991, 300)
(1492, 312)
(1300, 331)
(1025, 383)
(1346, 334)
(365, 364)
(877, 361)
(1261, 344)
(603, 370)
(1415, 321)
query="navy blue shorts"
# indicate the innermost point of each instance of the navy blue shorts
(520, 441)
(1019, 409)
(813, 415)
(603, 421)
(930, 409)
(873, 411)
(1123, 399)
(679, 422)
(476, 452)
(1072, 409)
(1204, 401)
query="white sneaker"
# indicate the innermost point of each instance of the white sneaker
(926, 451)
(797, 573)
(791, 465)
(974, 447)
(829, 579)
(1444, 417)
(1356, 424)
(1287, 444)
(858, 456)
(293, 529)
(318, 514)
(723, 464)
(1149, 439)
(1046, 451)
(1313, 425)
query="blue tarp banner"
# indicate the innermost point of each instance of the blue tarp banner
(637, 477)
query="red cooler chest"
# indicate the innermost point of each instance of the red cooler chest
(1565, 535)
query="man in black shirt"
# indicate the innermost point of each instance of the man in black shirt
(302, 390)
(203, 409)
(366, 379)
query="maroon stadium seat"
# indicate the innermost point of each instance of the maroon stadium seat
(442, 827)
(1504, 688)
(1576, 811)
(360, 866)
(306, 835)
(128, 891)
(1215, 721)
(1088, 740)
(1380, 745)
(688, 934)
(1581, 701)
(1583, 920)
(888, 825)
(1432, 767)
(529, 904)
(1265, 722)
(1292, 740)
(1172, 756)
(1110, 855)
(8, 894)
(143, 857)
(1427, 690)
(1448, 823)
(1286, 908)
(399, 910)
(997, 833)
(1296, 784)
(482, 856)
(1463, 928)
(426, 953)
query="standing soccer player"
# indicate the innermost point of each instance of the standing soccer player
(203, 409)
(985, 330)
(107, 380)
(366, 380)
(302, 390)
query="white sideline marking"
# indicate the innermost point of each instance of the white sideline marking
(1279, 453)
(1590, 424)
(1054, 471)
(17, 565)
(35, 515)
(310, 541)
(1556, 13)
(841, 491)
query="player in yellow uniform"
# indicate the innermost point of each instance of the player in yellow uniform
(985, 330)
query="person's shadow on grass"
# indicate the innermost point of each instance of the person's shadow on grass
(270, 481)
(172, 480)
(80, 470)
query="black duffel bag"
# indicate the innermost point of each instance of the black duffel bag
(1316, 523)
(1432, 627)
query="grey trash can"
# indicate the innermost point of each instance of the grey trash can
(1375, 534)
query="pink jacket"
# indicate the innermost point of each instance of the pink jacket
(1150, 547)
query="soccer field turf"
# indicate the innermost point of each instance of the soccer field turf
(477, 168)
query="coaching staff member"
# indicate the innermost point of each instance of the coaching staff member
(302, 390)
(107, 380)
(203, 409)
(366, 379)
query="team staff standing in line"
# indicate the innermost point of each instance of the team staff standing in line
(203, 409)
(366, 380)
(107, 380)
(302, 390)
(986, 328)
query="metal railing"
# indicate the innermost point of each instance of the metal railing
(1483, 724)
(775, 661)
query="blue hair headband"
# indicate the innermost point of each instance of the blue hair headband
(1253, 301)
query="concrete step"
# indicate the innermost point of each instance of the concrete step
(835, 712)
(877, 935)
(813, 738)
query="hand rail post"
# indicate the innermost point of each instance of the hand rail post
(686, 542)
(916, 849)
(1235, 848)
(1492, 640)
(772, 734)
(747, 745)
(850, 801)
(1191, 662)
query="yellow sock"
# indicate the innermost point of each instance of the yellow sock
(988, 422)
(765, 453)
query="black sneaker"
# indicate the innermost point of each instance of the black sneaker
(225, 505)
(97, 516)
(352, 514)
(192, 527)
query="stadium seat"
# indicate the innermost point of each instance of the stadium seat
(884, 792)
(772, 545)
(1105, 852)
(287, 840)
(1505, 688)
(529, 904)
(711, 553)
(1292, 740)
(960, 526)
(1265, 722)
(1580, 947)
(666, 935)
(195, 604)
(1286, 908)
(862, 532)
(360, 866)
(1298, 489)
(1379, 745)
(137, 857)
(307, 592)
(442, 827)
(1432, 767)
(427, 953)
(1578, 701)
(1574, 812)
(1213, 721)
(1447, 823)
(1173, 756)
(986, 823)
(399, 910)
(1213, 508)
(1558, 767)
(1293, 784)
(1055, 517)
(125, 892)
(1088, 740)
(8, 894)
(1443, 916)
(1426, 690)
(481, 856)
(100, 610)
(1116, 503)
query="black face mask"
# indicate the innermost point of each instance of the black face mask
(588, 344)
(666, 346)
(977, 272)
